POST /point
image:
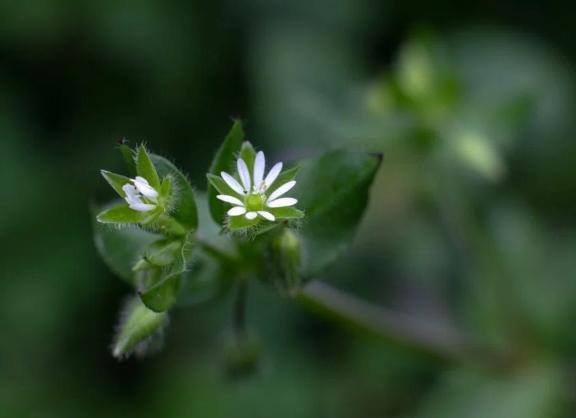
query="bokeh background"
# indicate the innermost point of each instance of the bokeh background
(471, 219)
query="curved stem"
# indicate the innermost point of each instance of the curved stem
(440, 341)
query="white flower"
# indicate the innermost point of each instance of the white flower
(252, 199)
(140, 196)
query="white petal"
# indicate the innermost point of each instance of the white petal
(259, 166)
(131, 192)
(232, 183)
(272, 175)
(237, 211)
(281, 190)
(142, 180)
(267, 215)
(144, 187)
(251, 215)
(244, 173)
(132, 195)
(229, 199)
(141, 207)
(282, 202)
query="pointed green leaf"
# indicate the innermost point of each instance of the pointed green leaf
(137, 325)
(146, 169)
(163, 295)
(183, 202)
(122, 214)
(224, 161)
(121, 248)
(333, 191)
(117, 181)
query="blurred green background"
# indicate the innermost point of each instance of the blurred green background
(471, 219)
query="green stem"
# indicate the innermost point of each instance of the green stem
(439, 341)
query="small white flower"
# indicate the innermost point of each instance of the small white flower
(252, 199)
(140, 196)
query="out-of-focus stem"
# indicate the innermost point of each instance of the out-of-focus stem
(240, 310)
(440, 341)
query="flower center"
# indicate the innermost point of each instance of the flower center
(254, 202)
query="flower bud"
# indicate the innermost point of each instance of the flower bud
(286, 256)
(242, 357)
(138, 330)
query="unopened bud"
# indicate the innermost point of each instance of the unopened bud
(286, 256)
(242, 357)
(138, 330)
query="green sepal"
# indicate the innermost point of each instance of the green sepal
(163, 295)
(283, 178)
(248, 154)
(286, 213)
(122, 214)
(146, 169)
(166, 187)
(128, 156)
(137, 325)
(221, 187)
(223, 161)
(117, 181)
(239, 223)
(182, 204)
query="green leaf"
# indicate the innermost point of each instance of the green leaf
(286, 213)
(333, 191)
(146, 169)
(205, 281)
(183, 201)
(121, 248)
(117, 181)
(534, 391)
(223, 161)
(137, 325)
(283, 178)
(162, 295)
(122, 214)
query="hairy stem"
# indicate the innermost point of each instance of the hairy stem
(440, 341)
